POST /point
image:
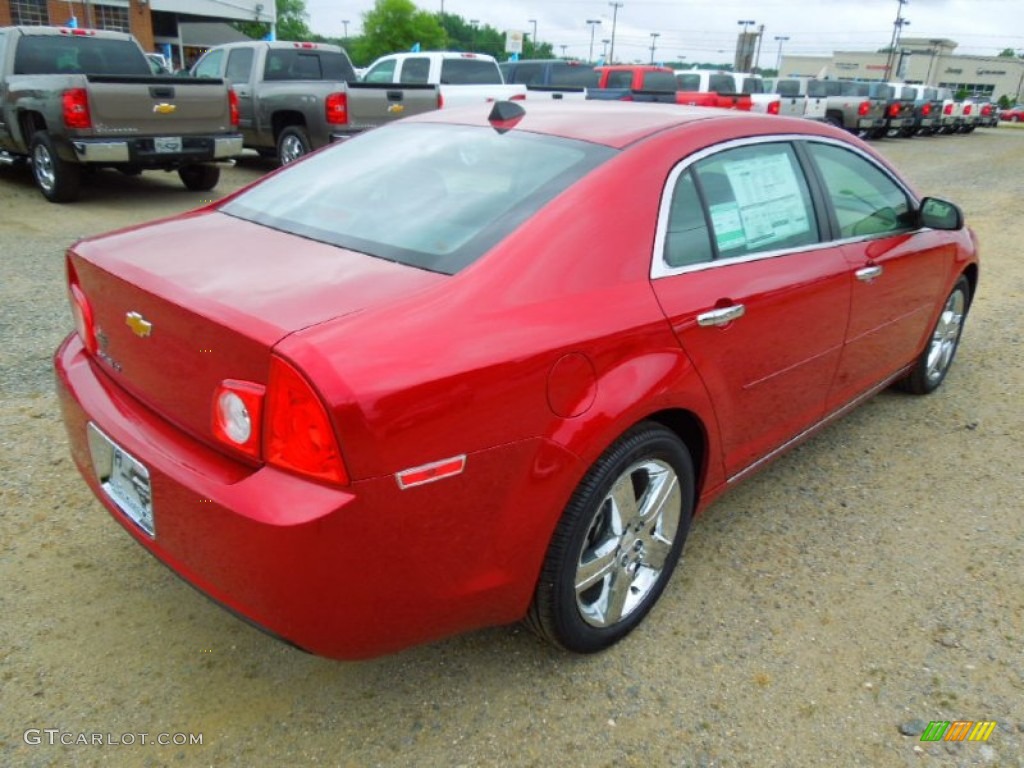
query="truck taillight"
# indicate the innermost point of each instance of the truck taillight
(81, 311)
(440, 99)
(864, 108)
(967, 109)
(948, 109)
(926, 110)
(986, 110)
(518, 97)
(233, 107)
(773, 108)
(238, 415)
(298, 435)
(894, 110)
(75, 104)
(336, 108)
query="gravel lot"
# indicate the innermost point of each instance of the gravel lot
(865, 584)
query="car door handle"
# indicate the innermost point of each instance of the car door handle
(867, 274)
(722, 316)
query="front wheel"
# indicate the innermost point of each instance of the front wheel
(934, 363)
(292, 144)
(57, 179)
(617, 543)
(199, 178)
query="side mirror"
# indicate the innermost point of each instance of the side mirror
(940, 214)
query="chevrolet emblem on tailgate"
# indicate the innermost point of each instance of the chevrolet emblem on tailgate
(164, 108)
(140, 326)
(395, 109)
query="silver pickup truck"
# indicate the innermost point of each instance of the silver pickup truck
(80, 97)
(297, 97)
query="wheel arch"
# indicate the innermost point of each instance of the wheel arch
(29, 122)
(971, 273)
(286, 119)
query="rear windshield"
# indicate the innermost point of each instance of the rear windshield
(477, 71)
(721, 83)
(66, 54)
(578, 76)
(788, 87)
(431, 196)
(286, 64)
(688, 82)
(659, 81)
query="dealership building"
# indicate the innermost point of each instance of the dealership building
(180, 29)
(918, 60)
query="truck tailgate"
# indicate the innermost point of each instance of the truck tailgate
(156, 106)
(371, 104)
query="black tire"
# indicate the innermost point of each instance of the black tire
(57, 179)
(199, 178)
(836, 121)
(601, 574)
(292, 144)
(934, 362)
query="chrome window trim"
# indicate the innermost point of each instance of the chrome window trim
(660, 269)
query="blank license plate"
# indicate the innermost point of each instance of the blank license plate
(167, 144)
(123, 478)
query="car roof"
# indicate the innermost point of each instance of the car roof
(617, 124)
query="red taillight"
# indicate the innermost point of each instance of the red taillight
(81, 311)
(894, 110)
(967, 109)
(864, 108)
(518, 97)
(440, 99)
(986, 110)
(75, 102)
(304, 46)
(773, 108)
(238, 415)
(233, 107)
(298, 435)
(948, 109)
(926, 110)
(336, 107)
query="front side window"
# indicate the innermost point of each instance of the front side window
(382, 73)
(866, 200)
(209, 65)
(430, 196)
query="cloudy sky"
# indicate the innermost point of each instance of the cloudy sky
(705, 30)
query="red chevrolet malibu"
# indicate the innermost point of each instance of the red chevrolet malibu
(482, 366)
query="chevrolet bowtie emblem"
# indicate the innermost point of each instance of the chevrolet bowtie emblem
(395, 109)
(164, 108)
(140, 326)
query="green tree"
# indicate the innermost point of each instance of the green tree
(291, 23)
(397, 25)
(1008, 53)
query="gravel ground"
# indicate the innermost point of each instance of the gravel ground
(867, 583)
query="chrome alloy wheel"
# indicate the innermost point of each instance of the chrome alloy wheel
(627, 543)
(946, 336)
(292, 149)
(42, 167)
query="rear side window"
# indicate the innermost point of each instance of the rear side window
(415, 71)
(753, 85)
(756, 199)
(688, 82)
(620, 79)
(866, 200)
(239, 65)
(659, 81)
(687, 240)
(721, 84)
(63, 54)
(478, 71)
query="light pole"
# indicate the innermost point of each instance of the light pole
(896, 27)
(345, 22)
(780, 39)
(615, 17)
(593, 24)
(534, 22)
(604, 53)
(742, 57)
(654, 43)
(472, 43)
(757, 55)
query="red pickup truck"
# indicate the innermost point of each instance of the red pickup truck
(658, 84)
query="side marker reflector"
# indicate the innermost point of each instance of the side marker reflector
(429, 473)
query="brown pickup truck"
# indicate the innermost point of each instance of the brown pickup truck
(74, 98)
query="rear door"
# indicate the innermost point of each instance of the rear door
(756, 298)
(898, 270)
(239, 73)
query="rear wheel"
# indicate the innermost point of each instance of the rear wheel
(292, 144)
(57, 179)
(935, 361)
(617, 543)
(199, 178)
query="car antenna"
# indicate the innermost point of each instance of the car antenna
(505, 115)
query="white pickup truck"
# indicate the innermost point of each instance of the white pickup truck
(464, 78)
(723, 81)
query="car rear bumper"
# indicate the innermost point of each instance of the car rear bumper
(349, 572)
(142, 151)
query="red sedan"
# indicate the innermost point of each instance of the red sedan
(470, 368)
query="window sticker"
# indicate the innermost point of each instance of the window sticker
(728, 226)
(768, 198)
